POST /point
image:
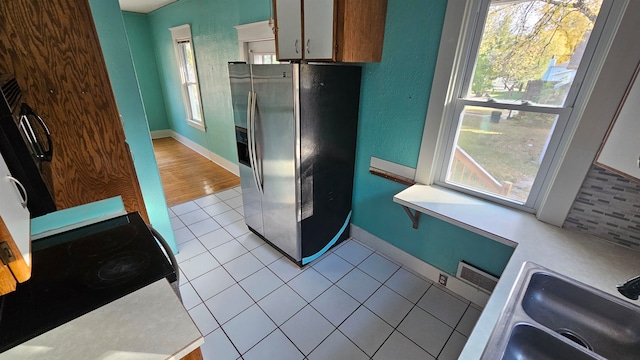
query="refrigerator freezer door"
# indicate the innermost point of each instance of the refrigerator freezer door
(276, 136)
(240, 81)
(251, 199)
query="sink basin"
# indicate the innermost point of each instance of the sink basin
(529, 342)
(609, 328)
(551, 316)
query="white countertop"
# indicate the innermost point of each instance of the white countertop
(593, 261)
(148, 324)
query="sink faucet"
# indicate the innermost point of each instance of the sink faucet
(630, 288)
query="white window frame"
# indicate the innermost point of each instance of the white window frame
(453, 58)
(180, 34)
(247, 33)
(261, 48)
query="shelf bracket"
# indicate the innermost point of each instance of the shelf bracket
(415, 216)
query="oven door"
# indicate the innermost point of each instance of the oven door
(34, 175)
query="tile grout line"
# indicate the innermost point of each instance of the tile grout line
(454, 330)
(414, 305)
(308, 303)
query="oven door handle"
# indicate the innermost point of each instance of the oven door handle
(43, 155)
(172, 258)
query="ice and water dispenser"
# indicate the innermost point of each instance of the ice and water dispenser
(242, 145)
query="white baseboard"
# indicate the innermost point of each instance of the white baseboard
(226, 164)
(159, 134)
(420, 267)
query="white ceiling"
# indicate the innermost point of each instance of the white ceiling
(143, 6)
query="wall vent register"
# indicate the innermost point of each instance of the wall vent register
(476, 277)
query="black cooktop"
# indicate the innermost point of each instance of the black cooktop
(78, 271)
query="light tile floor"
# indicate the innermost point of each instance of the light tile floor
(250, 302)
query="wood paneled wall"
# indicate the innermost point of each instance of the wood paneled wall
(52, 49)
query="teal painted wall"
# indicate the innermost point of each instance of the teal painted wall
(393, 106)
(394, 100)
(215, 44)
(115, 47)
(144, 60)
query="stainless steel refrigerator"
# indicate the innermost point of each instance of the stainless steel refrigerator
(296, 130)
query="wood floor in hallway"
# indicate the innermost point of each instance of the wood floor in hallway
(187, 175)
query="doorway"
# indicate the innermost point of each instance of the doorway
(262, 52)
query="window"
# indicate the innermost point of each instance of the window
(256, 42)
(517, 76)
(264, 59)
(188, 75)
(262, 52)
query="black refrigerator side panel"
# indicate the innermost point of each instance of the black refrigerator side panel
(329, 103)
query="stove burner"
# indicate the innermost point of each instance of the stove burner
(77, 271)
(117, 270)
(103, 243)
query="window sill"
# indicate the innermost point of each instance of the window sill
(490, 220)
(196, 125)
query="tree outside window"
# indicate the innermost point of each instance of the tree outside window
(520, 88)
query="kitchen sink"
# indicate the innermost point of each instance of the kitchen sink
(551, 316)
(609, 328)
(529, 342)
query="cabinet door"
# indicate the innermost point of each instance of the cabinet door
(69, 86)
(318, 29)
(15, 224)
(289, 29)
(621, 149)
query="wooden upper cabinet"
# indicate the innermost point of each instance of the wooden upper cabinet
(330, 30)
(53, 51)
(620, 151)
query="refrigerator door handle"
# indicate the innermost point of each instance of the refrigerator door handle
(250, 135)
(257, 159)
(251, 107)
(42, 152)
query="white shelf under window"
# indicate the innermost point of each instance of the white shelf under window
(598, 263)
(493, 221)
